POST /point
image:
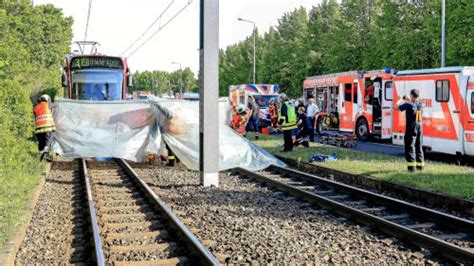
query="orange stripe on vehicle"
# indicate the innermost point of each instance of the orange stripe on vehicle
(442, 127)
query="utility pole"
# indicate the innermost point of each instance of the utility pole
(443, 32)
(169, 88)
(254, 37)
(209, 93)
(153, 85)
(181, 78)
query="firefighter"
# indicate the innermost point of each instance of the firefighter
(252, 124)
(413, 130)
(287, 121)
(44, 124)
(273, 112)
(171, 157)
(304, 128)
(240, 119)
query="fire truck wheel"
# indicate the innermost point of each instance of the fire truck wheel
(362, 129)
(319, 126)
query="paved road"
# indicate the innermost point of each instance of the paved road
(385, 147)
(373, 146)
(377, 146)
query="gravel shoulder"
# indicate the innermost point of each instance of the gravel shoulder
(244, 222)
(57, 232)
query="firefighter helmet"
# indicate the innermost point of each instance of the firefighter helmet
(240, 108)
(44, 97)
(283, 96)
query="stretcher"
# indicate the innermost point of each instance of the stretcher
(339, 139)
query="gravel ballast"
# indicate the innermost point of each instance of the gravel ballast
(245, 222)
(57, 233)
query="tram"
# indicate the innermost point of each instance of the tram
(95, 76)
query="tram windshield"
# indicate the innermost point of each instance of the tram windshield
(97, 84)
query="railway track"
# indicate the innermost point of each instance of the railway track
(445, 235)
(131, 225)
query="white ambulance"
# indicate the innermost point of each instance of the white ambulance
(448, 115)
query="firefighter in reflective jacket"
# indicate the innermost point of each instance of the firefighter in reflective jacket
(413, 130)
(44, 123)
(287, 121)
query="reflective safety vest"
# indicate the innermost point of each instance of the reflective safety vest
(44, 118)
(419, 109)
(238, 123)
(289, 121)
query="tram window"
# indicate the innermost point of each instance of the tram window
(347, 92)
(388, 93)
(442, 90)
(356, 95)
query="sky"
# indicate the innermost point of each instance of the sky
(116, 24)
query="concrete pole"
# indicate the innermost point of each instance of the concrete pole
(209, 93)
(443, 32)
(181, 80)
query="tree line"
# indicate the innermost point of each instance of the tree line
(159, 82)
(34, 41)
(351, 35)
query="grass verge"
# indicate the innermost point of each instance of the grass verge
(16, 188)
(439, 177)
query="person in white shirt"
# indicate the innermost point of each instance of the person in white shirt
(311, 112)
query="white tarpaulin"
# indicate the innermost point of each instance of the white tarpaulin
(179, 121)
(119, 129)
(131, 129)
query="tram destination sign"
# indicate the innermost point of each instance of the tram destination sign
(96, 62)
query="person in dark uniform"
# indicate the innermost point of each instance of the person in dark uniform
(304, 128)
(413, 130)
(252, 124)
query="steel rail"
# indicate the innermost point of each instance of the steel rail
(99, 254)
(205, 255)
(435, 245)
(447, 220)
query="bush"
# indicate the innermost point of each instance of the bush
(34, 41)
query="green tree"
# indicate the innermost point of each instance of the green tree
(161, 81)
(34, 41)
(459, 31)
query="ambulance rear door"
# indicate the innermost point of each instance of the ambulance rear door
(469, 118)
(387, 109)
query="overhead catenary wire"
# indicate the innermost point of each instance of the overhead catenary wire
(88, 17)
(149, 27)
(160, 28)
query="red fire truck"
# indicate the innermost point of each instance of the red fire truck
(359, 102)
(362, 102)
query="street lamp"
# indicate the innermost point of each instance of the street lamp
(254, 33)
(443, 32)
(180, 79)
